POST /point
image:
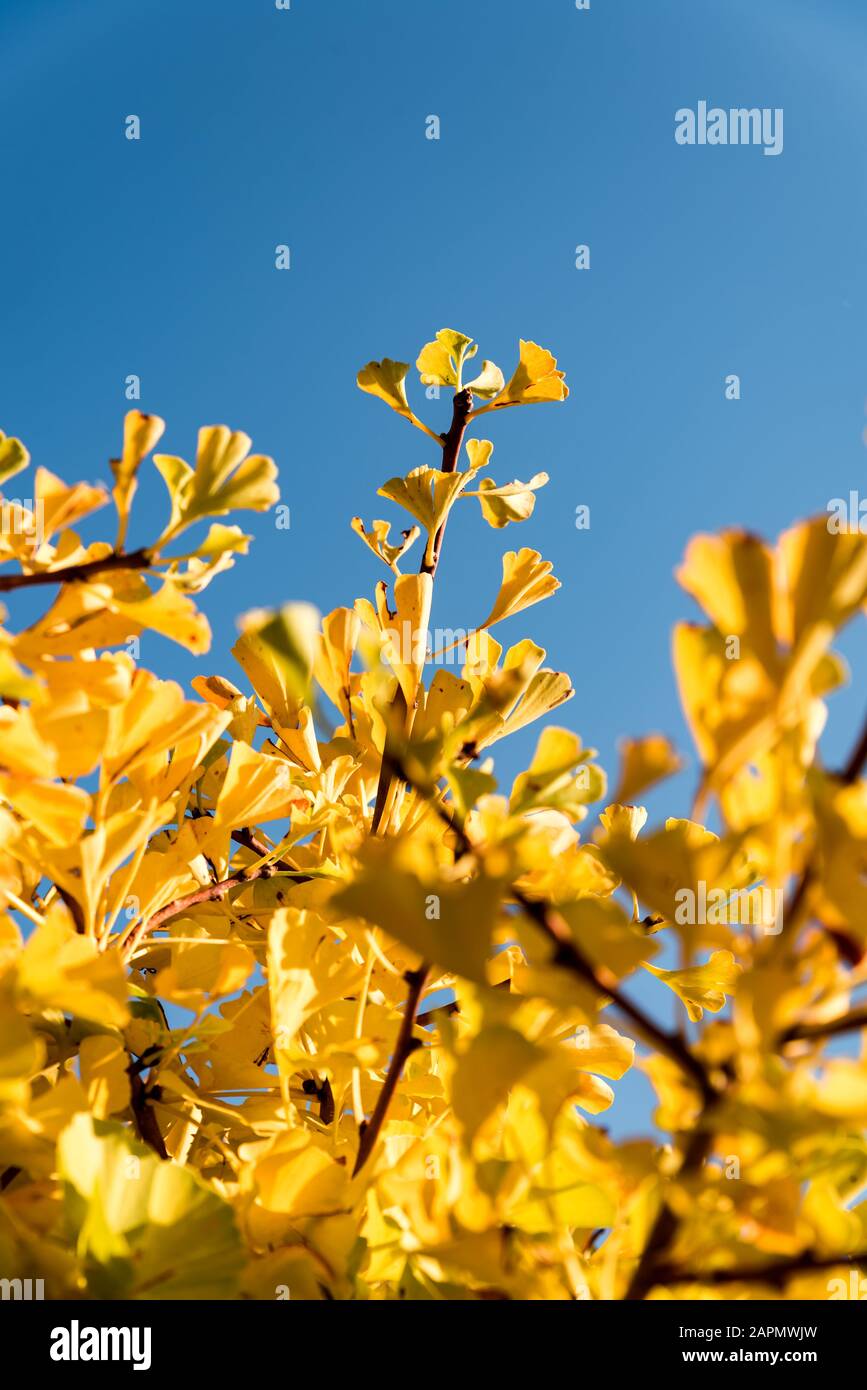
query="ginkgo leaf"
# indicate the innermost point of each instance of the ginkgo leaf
(145, 1228)
(58, 812)
(527, 579)
(535, 379)
(60, 506)
(377, 539)
(439, 362)
(406, 628)
(306, 972)
(277, 652)
(702, 986)
(643, 763)
(140, 434)
(166, 610)
(104, 1074)
(603, 931)
(731, 576)
(444, 922)
(561, 776)
(666, 869)
(427, 494)
(495, 1060)
(511, 502)
(488, 383)
(340, 631)
(204, 970)
(13, 457)
(59, 969)
(224, 478)
(387, 381)
(256, 788)
(294, 1176)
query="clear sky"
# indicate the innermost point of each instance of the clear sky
(307, 127)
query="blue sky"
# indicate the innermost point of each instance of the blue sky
(307, 127)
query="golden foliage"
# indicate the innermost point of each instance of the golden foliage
(359, 1053)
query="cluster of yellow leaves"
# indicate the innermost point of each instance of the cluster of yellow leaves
(216, 912)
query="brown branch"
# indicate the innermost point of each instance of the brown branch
(70, 574)
(246, 837)
(665, 1226)
(406, 1044)
(775, 1273)
(569, 955)
(211, 892)
(847, 775)
(146, 1123)
(807, 1032)
(452, 441)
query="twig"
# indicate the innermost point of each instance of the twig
(807, 1032)
(775, 1273)
(404, 1047)
(70, 574)
(847, 775)
(451, 441)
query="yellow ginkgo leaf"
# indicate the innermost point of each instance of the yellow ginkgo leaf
(624, 820)
(387, 381)
(527, 579)
(377, 539)
(13, 457)
(337, 644)
(167, 610)
(488, 383)
(643, 763)
(203, 970)
(104, 1075)
(22, 1054)
(702, 986)
(223, 479)
(277, 652)
(141, 1222)
(681, 864)
(439, 363)
(406, 628)
(449, 923)
(731, 576)
(511, 502)
(59, 506)
(535, 379)
(257, 787)
(560, 777)
(292, 1175)
(495, 1060)
(140, 434)
(57, 811)
(59, 969)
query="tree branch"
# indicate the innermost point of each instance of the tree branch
(211, 892)
(569, 955)
(847, 775)
(70, 574)
(452, 441)
(807, 1032)
(404, 1047)
(775, 1273)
